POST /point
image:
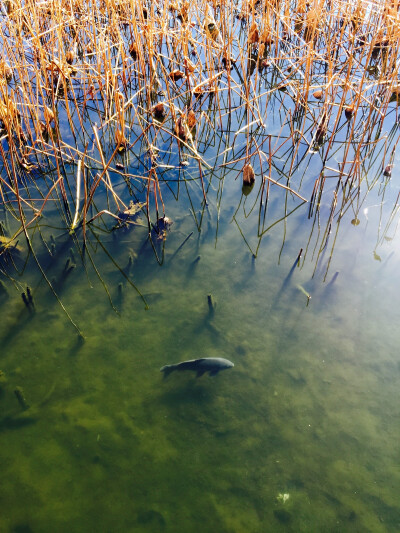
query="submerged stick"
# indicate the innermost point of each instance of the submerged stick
(303, 290)
(19, 393)
(30, 297)
(27, 298)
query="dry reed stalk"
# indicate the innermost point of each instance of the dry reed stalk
(107, 62)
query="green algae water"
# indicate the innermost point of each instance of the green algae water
(301, 435)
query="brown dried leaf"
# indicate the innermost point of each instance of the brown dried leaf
(189, 65)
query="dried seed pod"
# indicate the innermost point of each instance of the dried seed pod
(311, 26)
(248, 175)
(198, 92)
(254, 35)
(49, 115)
(349, 111)
(388, 171)
(381, 42)
(44, 128)
(322, 128)
(318, 94)
(266, 37)
(263, 64)
(176, 75)
(395, 97)
(180, 129)
(6, 71)
(159, 111)
(320, 135)
(227, 60)
(211, 27)
(69, 57)
(133, 50)
(120, 140)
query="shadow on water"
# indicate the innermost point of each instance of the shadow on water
(152, 520)
(17, 422)
(22, 528)
(185, 390)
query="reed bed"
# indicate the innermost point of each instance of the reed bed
(106, 104)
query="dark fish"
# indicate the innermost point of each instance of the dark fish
(206, 364)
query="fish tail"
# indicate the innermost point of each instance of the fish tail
(167, 369)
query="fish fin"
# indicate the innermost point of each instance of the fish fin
(167, 369)
(200, 373)
(213, 373)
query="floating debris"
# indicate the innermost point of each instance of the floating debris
(133, 210)
(161, 228)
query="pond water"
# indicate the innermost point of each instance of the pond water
(301, 435)
(297, 281)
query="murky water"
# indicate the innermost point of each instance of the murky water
(301, 435)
